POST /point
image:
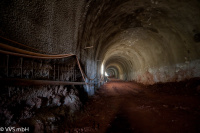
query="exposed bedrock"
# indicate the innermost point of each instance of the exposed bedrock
(24, 102)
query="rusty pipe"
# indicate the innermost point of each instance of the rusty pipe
(11, 48)
(24, 53)
(14, 42)
(30, 56)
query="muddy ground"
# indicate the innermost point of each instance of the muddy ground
(128, 107)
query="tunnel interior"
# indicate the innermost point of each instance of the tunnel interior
(146, 40)
(56, 53)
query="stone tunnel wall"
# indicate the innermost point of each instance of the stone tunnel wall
(18, 103)
(51, 26)
(174, 73)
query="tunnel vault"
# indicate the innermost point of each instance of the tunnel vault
(147, 41)
(42, 42)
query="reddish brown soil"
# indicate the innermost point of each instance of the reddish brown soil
(127, 107)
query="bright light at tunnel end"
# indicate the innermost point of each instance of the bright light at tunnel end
(102, 69)
(106, 74)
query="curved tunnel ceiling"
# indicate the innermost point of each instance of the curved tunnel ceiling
(112, 72)
(148, 41)
(144, 40)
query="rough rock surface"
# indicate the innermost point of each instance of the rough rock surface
(24, 105)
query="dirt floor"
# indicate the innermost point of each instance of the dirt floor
(128, 107)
